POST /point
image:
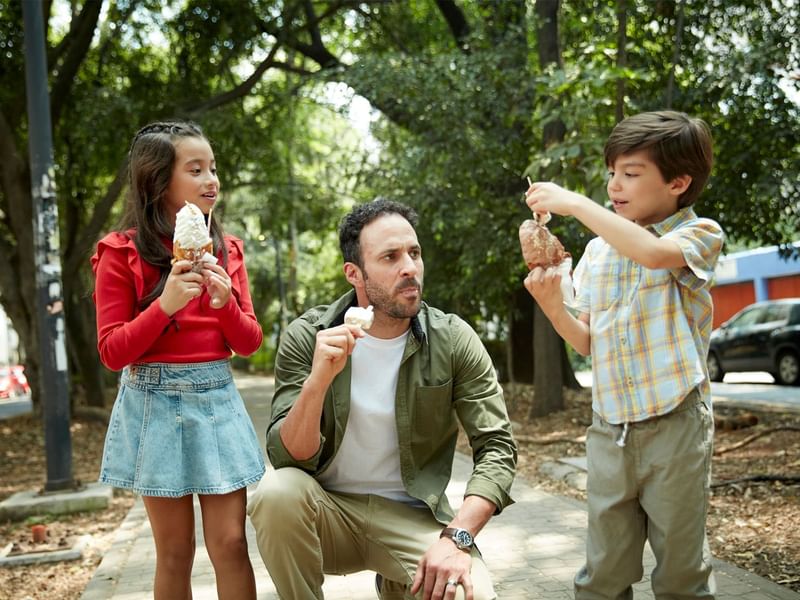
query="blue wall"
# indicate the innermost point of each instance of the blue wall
(757, 266)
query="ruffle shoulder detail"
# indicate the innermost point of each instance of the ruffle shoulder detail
(119, 242)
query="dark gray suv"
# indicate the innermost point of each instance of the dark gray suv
(764, 336)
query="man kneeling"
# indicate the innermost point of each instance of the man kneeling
(363, 432)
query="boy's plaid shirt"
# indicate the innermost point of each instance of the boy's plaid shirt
(650, 328)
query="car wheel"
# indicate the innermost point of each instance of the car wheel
(788, 369)
(715, 372)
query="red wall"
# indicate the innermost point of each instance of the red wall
(783, 287)
(730, 299)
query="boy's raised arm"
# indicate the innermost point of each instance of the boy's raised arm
(628, 238)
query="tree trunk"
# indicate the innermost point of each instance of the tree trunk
(17, 266)
(520, 337)
(676, 55)
(548, 370)
(25, 326)
(293, 292)
(85, 363)
(568, 380)
(549, 51)
(283, 318)
(622, 57)
(549, 355)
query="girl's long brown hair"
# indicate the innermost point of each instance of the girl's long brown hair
(150, 164)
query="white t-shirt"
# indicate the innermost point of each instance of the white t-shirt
(368, 460)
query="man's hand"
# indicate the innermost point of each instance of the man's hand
(443, 563)
(331, 350)
(300, 430)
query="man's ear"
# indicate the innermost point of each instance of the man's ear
(352, 272)
(680, 184)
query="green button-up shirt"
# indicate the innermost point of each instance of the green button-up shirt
(446, 377)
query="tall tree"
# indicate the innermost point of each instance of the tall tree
(676, 54)
(547, 345)
(622, 57)
(465, 100)
(473, 92)
(128, 75)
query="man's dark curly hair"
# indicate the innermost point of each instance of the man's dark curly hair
(362, 215)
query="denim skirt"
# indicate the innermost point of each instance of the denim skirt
(179, 429)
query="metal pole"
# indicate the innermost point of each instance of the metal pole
(50, 304)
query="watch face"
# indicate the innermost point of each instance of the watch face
(463, 538)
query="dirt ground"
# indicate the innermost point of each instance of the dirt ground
(754, 525)
(23, 467)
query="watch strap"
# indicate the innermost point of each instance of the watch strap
(452, 533)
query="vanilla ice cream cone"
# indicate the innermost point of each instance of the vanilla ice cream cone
(191, 240)
(362, 317)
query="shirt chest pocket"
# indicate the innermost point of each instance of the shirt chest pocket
(433, 412)
(607, 286)
(655, 277)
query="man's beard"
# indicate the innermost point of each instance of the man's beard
(380, 299)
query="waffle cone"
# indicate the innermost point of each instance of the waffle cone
(191, 254)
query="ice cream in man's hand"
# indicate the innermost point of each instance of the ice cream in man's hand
(540, 248)
(362, 317)
(191, 240)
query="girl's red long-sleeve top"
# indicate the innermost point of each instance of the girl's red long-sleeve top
(196, 333)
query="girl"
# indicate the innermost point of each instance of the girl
(178, 426)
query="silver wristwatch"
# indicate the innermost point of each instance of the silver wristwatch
(461, 537)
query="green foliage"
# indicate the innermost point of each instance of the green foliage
(731, 71)
(464, 106)
(289, 164)
(459, 160)
(43, 519)
(468, 125)
(287, 199)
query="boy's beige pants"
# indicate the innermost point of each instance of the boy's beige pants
(655, 488)
(304, 531)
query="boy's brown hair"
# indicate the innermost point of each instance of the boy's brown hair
(677, 143)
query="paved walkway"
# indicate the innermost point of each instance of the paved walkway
(533, 549)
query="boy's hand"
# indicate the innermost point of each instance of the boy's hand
(545, 196)
(545, 287)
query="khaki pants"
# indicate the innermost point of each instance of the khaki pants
(304, 531)
(655, 488)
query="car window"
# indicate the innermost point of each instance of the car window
(795, 310)
(776, 313)
(748, 317)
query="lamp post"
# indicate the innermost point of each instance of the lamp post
(49, 295)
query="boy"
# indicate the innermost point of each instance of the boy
(644, 312)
